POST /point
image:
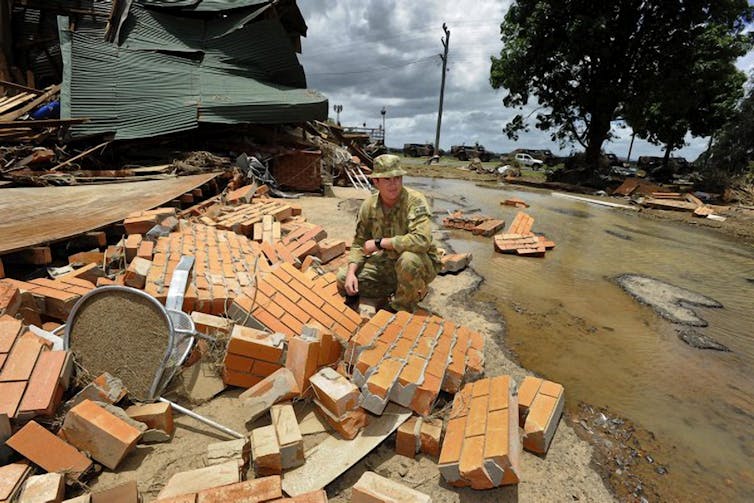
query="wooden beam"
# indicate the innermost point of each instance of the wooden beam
(44, 123)
(35, 255)
(12, 116)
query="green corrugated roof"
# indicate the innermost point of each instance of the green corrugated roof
(204, 5)
(172, 71)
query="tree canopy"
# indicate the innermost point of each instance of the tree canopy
(664, 66)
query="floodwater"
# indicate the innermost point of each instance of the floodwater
(567, 321)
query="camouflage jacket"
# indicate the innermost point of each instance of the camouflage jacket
(408, 223)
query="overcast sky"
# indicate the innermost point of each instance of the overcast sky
(370, 54)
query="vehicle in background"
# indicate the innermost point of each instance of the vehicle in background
(528, 160)
(465, 153)
(418, 149)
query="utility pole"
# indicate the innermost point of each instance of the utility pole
(445, 42)
(337, 109)
(384, 131)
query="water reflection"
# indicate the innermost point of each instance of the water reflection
(569, 322)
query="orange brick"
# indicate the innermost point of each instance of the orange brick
(526, 393)
(107, 438)
(301, 359)
(334, 391)
(500, 387)
(401, 348)
(158, 416)
(21, 359)
(10, 397)
(318, 496)
(412, 373)
(269, 321)
(381, 318)
(369, 358)
(281, 287)
(430, 433)
(450, 454)
(238, 363)
(381, 382)
(255, 344)
(471, 465)
(552, 389)
(240, 379)
(57, 303)
(294, 324)
(48, 451)
(477, 421)
(348, 425)
(10, 298)
(289, 307)
(407, 438)
(260, 489)
(425, 395)
(45, 383)
(502, 447)
(462, 402)
(10, 328)
(541, 422)
(263, 369)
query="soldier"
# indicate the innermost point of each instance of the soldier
(392, 251)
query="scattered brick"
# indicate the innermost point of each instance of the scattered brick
(107, 438)
(278, 386)
(540, 407)
(21, 359)
(12, 477)
(10, 299)
(46, 384)
(257, 490)
(211, 325)
(10, 397)
(251, 356)
(373, 488)
(289, 435)
(408, 358)
(128, 492)
(266, 451)
(46, 488)
(515, 202)
(318, 496)
(131, 246)
(194, 481)
(301, 359)
(348, 425)
(48, 451)
(519, 239)
(231, 450)
(157, 416)
(429, 437)
(141, 222)
(137, 271)
(10, 329)
(104, 388)
(407, 441)
(481, 448)
(455, 262)
(330, 249)
(334, 391)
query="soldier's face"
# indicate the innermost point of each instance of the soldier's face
(390, 189)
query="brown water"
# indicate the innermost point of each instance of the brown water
(568, 322)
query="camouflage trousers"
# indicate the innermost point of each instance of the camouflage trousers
(407, 278)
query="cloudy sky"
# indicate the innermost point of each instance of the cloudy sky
(370, 54)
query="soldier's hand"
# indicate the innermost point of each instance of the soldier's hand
(352, 284)
(370, 247)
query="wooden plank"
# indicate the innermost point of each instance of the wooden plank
(36, 215)
(44, 123)
(13, 85)
(332, 457)
(79, 156)
(12, 116)
(35, 255)
(11, 102)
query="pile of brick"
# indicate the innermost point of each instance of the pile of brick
(477, 224)
(285, 299)
(241, 219)
(32, 377)
(251, 356)
(454, 262)
(482, 447)
(540, 405)
(408, 358)
(337, 401)
(519, 238)
(278, 446)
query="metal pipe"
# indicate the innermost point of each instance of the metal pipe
(202, 419)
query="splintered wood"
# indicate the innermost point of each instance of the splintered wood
(519, 238)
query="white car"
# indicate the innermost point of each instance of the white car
(528, 160)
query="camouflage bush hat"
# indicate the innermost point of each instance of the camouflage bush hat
(387, 166)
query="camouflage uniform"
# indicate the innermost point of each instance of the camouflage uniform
(405, 271)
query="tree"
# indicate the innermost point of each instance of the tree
(588, 63)
(733, 149)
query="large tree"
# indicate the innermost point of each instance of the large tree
(587, 63)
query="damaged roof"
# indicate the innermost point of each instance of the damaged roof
(170, 68)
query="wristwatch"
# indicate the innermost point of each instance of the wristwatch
(377, 243)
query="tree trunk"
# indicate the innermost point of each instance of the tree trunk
(666, 159)
(598, 130)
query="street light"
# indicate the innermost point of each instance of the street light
(384, 132)
(337, 109)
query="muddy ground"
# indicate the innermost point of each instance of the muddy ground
(593, 457)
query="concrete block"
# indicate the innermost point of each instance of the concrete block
(107, 438)
(266, 451)
(289, 435)
(47, 488)
(373, 488)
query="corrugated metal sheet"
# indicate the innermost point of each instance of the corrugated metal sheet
(172, 71)
(204, 5)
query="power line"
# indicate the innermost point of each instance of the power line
(381, 68)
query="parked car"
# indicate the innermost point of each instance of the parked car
(528, 160)
(466, 153)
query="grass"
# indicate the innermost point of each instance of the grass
(450, 167)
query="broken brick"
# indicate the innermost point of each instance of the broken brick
(48, 451)
(266, 451)
(278, 386)
(289, 435)
(334, 391)
(157, 416)
(373, 488)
